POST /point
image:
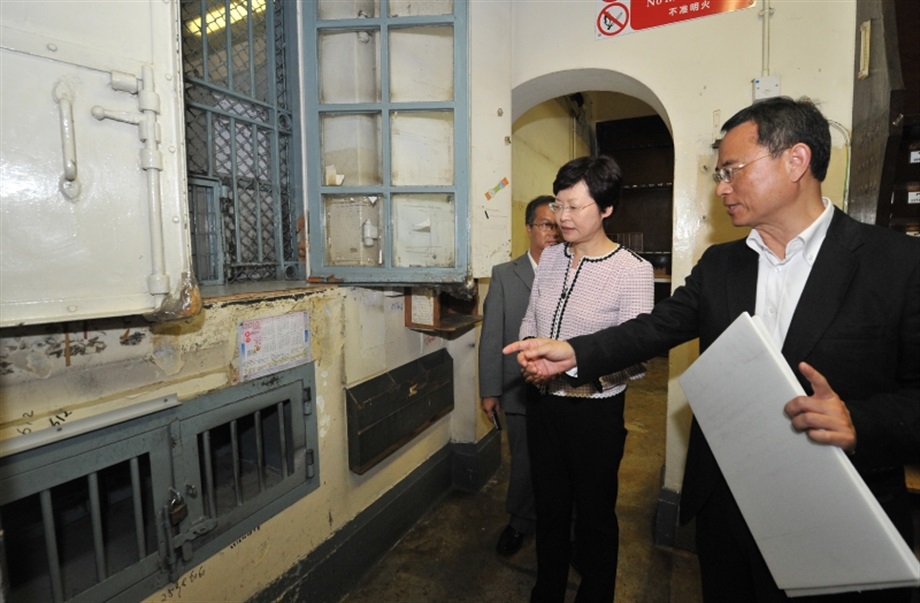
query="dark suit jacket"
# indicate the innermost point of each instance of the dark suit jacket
(503, 311)
(857, 322)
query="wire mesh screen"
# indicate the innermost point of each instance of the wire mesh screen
(238, 133)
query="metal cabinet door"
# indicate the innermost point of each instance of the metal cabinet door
(93, 210)
(84, 517)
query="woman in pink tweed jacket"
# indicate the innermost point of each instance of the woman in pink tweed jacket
(577, 433)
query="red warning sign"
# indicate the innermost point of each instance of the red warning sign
(626, 16)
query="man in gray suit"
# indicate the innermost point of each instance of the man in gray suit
(500, 383)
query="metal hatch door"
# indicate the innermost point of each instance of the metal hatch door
(92, 171)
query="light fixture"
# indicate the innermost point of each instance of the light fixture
(220, 18)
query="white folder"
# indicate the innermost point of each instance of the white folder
(815, 521)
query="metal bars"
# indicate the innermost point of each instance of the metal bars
(69, 537)
(92, 517)
(51, 547)
(140, 539)
(238, 131)
(96, 518)
(245, 457)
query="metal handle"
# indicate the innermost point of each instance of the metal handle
(64, 97)
(70, 185)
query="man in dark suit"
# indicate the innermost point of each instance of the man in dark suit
(501, 386)
(842, 301)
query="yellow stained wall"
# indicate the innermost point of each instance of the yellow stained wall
(356, 334)
(543, 140)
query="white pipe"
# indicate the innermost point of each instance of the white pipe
(765, 51)
(152, 162)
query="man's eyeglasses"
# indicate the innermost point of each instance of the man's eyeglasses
(546, 226)
(559, 208)
(727, 174)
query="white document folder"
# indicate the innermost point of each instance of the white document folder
(815, 521)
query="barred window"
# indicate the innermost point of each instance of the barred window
(116, 512)
(240, 139)
(386, 140)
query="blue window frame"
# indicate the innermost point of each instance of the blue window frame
(387, 139)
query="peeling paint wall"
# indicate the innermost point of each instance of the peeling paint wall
(356, 333)
(91, 367)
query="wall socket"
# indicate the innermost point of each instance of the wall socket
(766, 86)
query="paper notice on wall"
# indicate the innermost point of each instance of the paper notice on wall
(269, 345)
(423, 306)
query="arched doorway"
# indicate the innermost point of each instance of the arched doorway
(560, 116)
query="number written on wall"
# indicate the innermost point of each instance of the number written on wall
(174, 592)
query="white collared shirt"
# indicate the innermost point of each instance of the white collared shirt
(780, 282)
(533, 262)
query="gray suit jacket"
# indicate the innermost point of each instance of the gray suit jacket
(857, 322)
(503, 311)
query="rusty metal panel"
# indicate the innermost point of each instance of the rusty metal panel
(386, 412)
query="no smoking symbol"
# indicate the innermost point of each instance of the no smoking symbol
(613, 19)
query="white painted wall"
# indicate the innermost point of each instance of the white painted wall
(490, 135)
(356, 334)
(695, 74)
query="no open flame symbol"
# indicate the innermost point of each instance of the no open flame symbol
(612, 19)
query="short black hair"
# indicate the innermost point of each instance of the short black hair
(783, 122)
(600, 174)
(531, 213)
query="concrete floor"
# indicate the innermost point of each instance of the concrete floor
(449, 555)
